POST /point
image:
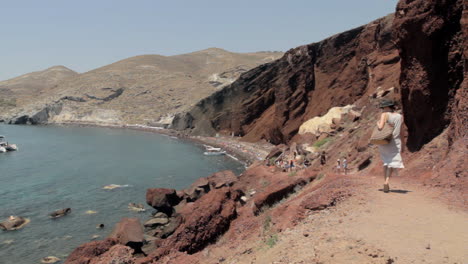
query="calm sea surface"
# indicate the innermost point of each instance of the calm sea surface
(58, 167)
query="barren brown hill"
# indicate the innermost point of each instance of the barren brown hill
(24, 88)
(139, 89)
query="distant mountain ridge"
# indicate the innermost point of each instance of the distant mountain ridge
(141, 89)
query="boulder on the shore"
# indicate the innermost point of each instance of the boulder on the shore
(129, 232)
(86, 252)
(13, 223)
(116, 254)
(222, 179)
(200, 187)
(60, 213)
(164, 231)
(204, 221)
(155, 222)
(162, 199)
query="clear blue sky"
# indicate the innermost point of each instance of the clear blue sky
(85, 34)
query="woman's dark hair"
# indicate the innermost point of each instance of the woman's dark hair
(392, 108)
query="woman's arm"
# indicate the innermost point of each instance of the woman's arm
(381, 123)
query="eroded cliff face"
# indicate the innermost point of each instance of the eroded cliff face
(432, 48)
(271, 101)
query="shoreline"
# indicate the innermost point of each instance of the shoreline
(244, 152)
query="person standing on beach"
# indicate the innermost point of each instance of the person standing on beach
(345, 166)
(391, 152)
(338, 166)
(323, 158)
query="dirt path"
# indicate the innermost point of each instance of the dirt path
(404, 226)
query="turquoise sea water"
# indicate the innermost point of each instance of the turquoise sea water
(58, 167)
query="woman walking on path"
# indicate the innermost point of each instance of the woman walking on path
(391, 152)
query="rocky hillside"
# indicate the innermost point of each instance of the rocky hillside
(141, 89)
(417, 57)
(23, 89)
(271, 101)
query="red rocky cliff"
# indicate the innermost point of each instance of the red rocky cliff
(273, 100)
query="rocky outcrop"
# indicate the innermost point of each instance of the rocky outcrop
(162, 199)
(204, 221)
(432, 46)
(271, 101)
(116, 254)
(39, 117)
(129, 232)
(86, 252)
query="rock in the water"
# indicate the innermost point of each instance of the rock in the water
(100, 226)
(136, 207)
(60, 213)
(155, 222)
(129, 232)
(50, 260)
(162, 199)
(14, 223)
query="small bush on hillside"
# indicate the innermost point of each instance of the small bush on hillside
(272, 240)
(320, 143)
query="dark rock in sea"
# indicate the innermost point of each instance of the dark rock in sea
(162, 199)
(129, 232)
(13, 223)
(60, 213)
(100, 226)
(50, 260)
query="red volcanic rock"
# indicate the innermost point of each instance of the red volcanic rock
(129, 232)
(200, 187)
(86, 252)
(322, 198)
(271, 101)
(116, 254)
(222, 179)
(204, 221)
(431, 43)
(276, 191)
(162, 199)
(276, 151)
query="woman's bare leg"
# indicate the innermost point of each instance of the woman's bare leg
(388, 173)
(385, 168)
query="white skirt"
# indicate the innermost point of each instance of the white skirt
(391, 154)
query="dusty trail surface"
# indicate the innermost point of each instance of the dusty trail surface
(407, 225)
